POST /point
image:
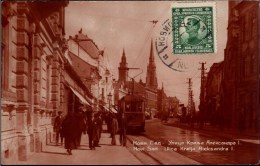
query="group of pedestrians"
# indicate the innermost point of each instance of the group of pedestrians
(71, 127)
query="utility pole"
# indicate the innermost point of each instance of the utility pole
(202, 94)
(190, 97)
(203, 82)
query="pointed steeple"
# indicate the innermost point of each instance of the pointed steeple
(123, 58)
(162, 86)
(151, 58)
(151, 78)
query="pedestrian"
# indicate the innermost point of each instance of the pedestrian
(81, 125)
(108, 122)
(58, 127)
(68, 129)
(90, 131)
(99, 127)
(114, 129)
(122, 129)
(96, 129)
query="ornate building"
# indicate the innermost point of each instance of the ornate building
(151, 85)
(32, 64)
(88, 60)
(241, 67)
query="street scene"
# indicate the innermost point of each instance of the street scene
(130, 83)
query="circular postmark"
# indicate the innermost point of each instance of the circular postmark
(163, 47)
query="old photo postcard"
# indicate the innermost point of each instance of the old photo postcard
(130, 82)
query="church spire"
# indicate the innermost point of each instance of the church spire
(123, 58)
(162, 86)
(151, 78)
(151, 58)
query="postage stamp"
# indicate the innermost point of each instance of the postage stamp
(193, 28)
(189, 29)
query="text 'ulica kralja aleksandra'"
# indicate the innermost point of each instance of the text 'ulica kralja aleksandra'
(188, 146)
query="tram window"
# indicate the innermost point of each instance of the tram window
(127, 107)
(139, 107)
(132, 107)
(136, 107)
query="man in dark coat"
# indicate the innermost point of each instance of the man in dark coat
(96, 130)
(58, 127)
(90, 130)
(68, 129)
(122, 128)
(108, 122)
(99, 122)
(114, 129)
(81, 126)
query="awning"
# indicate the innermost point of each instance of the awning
(111, 109)
(82, 99)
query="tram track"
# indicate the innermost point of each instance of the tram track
(155, 157)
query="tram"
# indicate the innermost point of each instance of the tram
(133, 108)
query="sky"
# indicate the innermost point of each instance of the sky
(115, 26)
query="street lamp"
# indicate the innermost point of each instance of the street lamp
(109, 97)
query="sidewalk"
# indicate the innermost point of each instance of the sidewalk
(104, 155)
(207, 129)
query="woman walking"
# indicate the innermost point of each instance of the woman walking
(68, 127)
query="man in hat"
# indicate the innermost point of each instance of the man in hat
(58, 127)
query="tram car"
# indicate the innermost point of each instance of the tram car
(133, 108)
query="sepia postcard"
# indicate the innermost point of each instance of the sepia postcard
(130, 82)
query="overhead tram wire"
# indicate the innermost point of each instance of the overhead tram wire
(148, 35)
(143, 46)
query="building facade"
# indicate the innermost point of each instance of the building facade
(241, 67)
(161, 102)
(32, 49)
(214, 93)
(89, 62)
(38, 79)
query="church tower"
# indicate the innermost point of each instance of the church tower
(151, 78)
(123, 69)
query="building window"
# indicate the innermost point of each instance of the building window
(5, 55)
